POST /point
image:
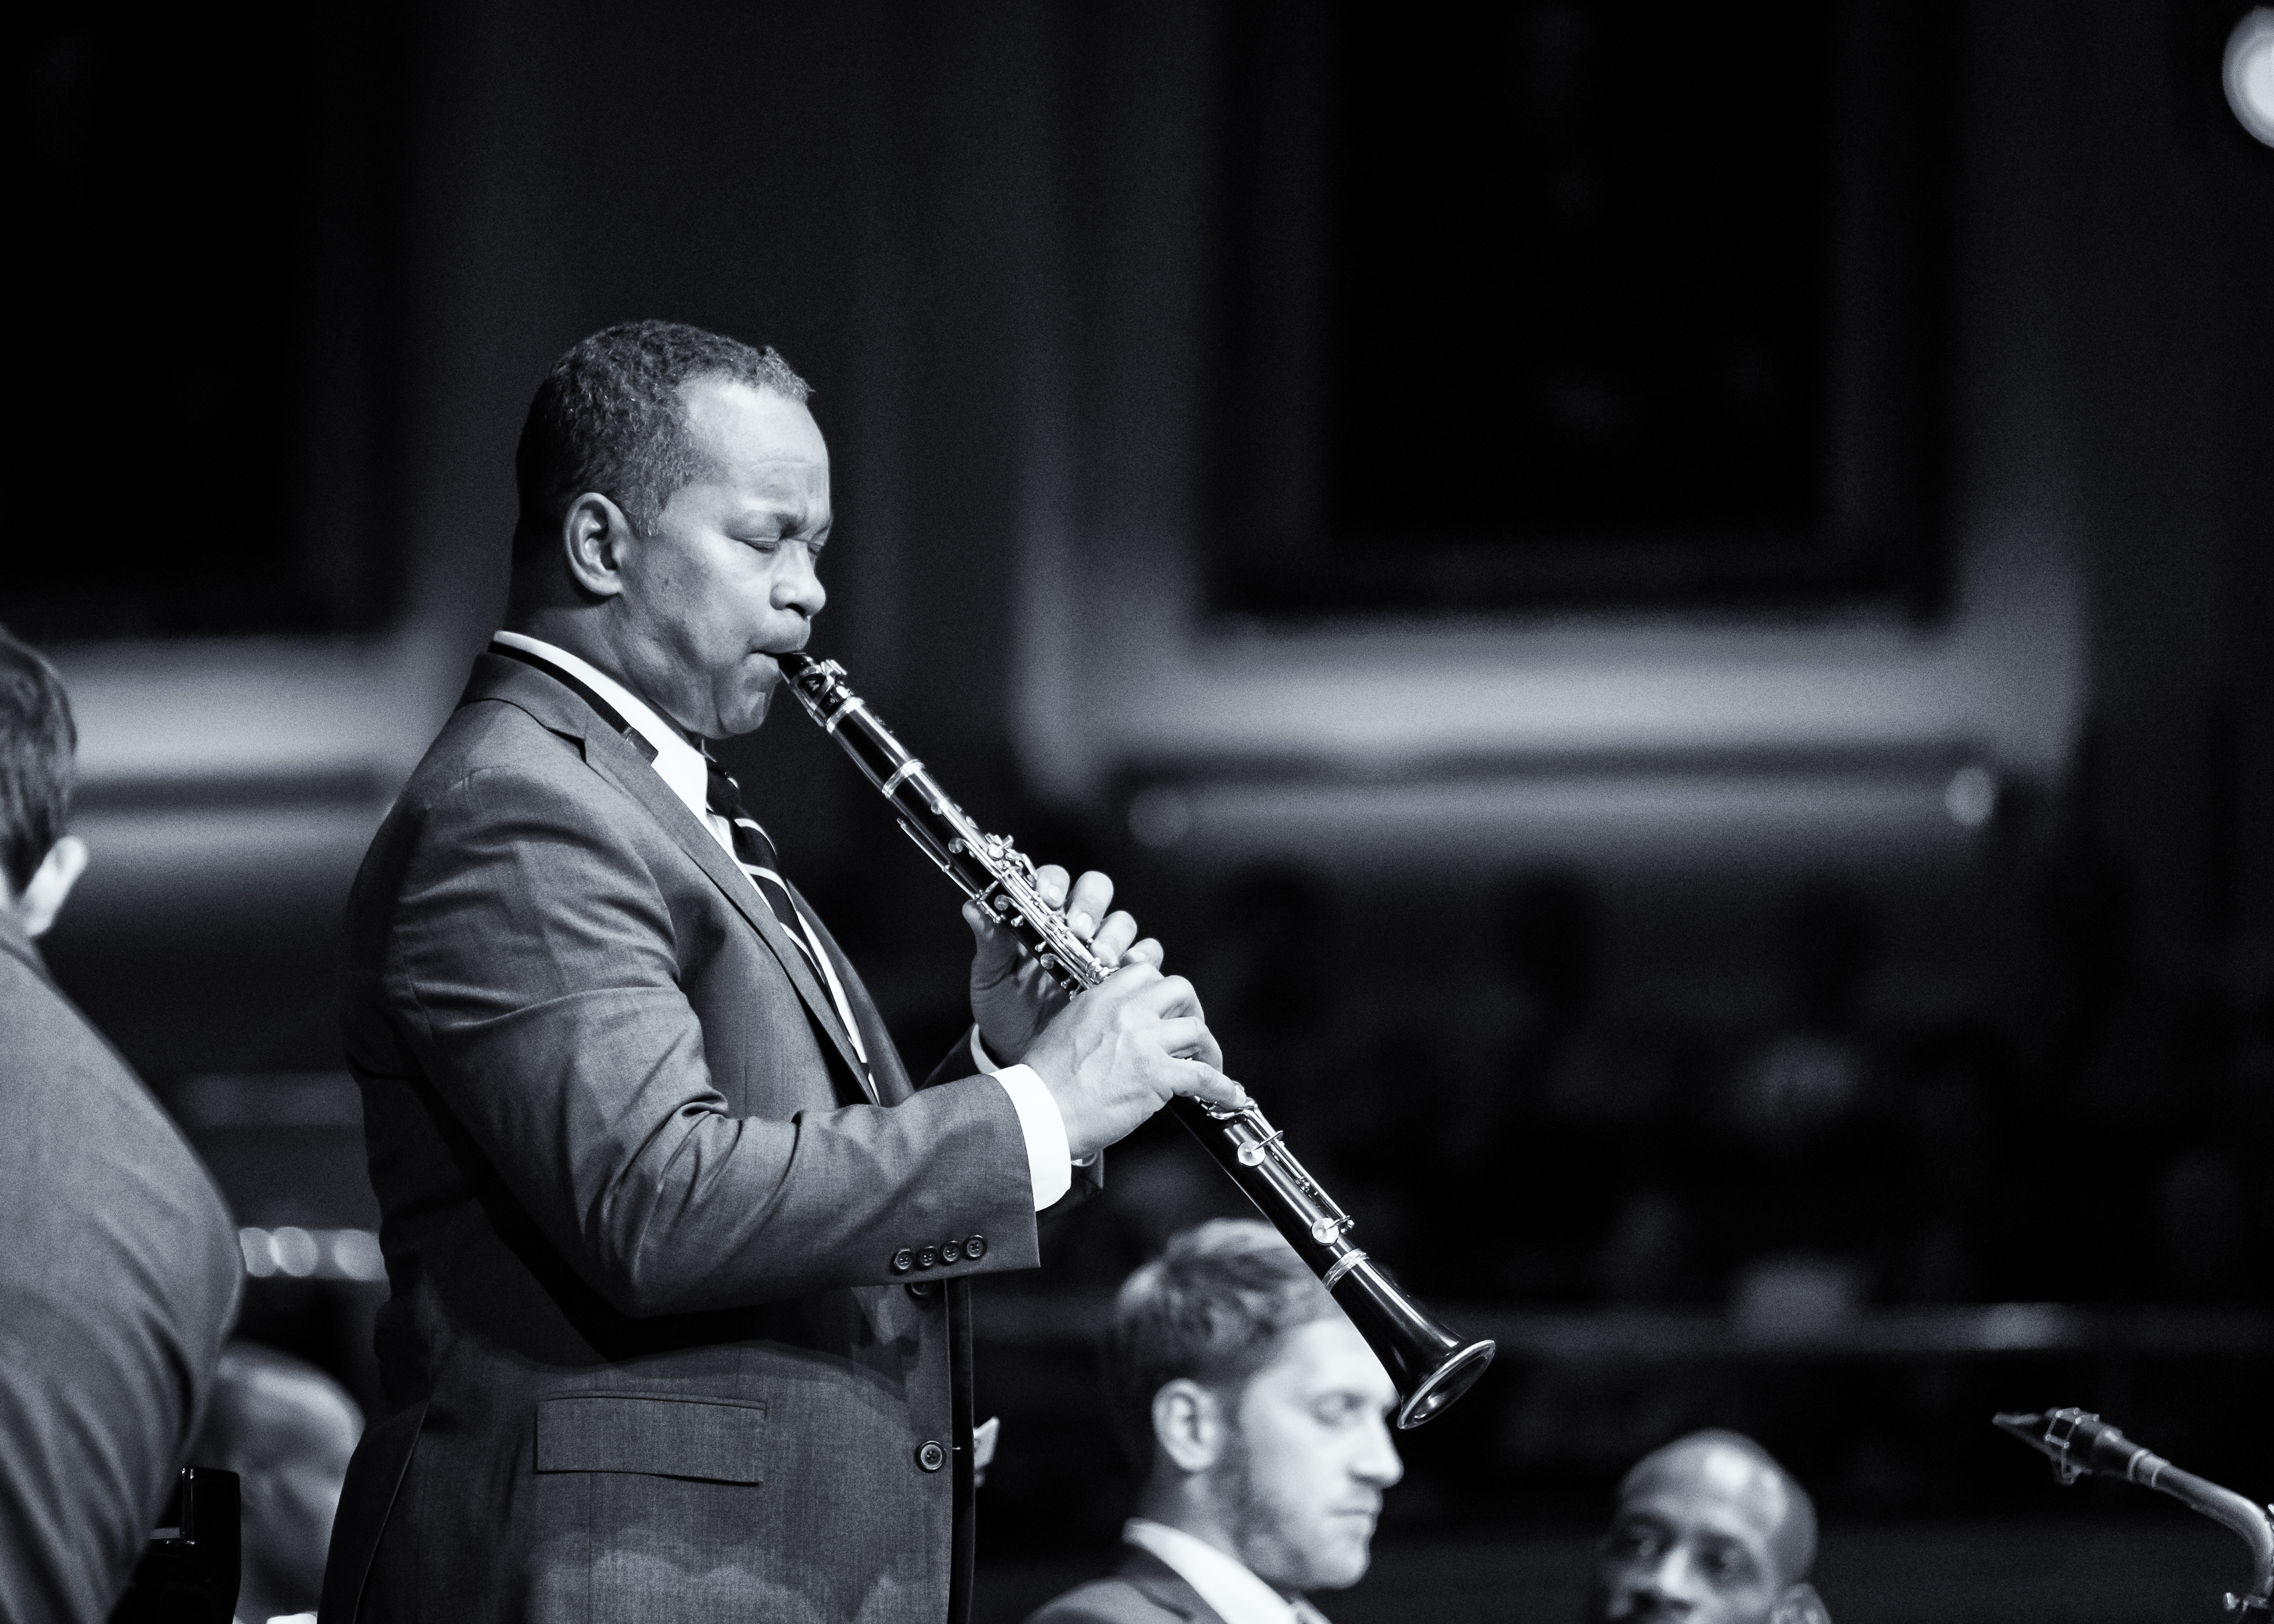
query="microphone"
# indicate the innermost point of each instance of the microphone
(2080, 1443)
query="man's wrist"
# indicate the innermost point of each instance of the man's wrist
(1050, 1163)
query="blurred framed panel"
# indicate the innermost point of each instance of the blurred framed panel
(204, 204)
(1579, 302)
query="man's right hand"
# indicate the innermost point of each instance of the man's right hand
(1115, 1055)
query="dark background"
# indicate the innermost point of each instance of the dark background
(1665, 611)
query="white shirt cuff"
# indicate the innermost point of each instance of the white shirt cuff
(1049, 1158)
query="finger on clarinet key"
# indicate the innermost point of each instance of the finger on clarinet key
(1111, 943)
(1090, 896)
(1203, 1081)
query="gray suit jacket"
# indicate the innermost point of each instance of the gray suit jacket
(119, 1282)
(654, 1346)
(1143, 1590)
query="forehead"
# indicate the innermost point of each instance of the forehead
(1324, 1358)
(753, 436)
(1711, 1492)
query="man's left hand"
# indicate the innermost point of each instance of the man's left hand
(1012, 998)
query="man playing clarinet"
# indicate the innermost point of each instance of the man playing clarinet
(677, 1323)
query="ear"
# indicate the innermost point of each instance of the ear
(595, 535)
(50, 884)
(1188, 1426)
(1800, 1604)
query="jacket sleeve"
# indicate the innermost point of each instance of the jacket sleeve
(1088, 1176)
(532, 962)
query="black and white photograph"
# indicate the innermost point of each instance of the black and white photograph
(1139, 812)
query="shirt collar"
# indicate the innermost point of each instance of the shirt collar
(1237, 1595)
(679, 764)
(15, 939)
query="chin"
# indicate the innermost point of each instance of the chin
(1339, 1567)
(747, 717)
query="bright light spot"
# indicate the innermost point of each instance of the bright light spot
(2022, 1325)
(2250, 72)
(1970, 796)
(259, 1262)
(295, 1251)
(356, 1255)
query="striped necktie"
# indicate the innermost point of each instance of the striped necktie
(754, 850)
(755, 854)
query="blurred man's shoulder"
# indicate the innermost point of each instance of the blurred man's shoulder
(1124, 1600)
(84, 1128)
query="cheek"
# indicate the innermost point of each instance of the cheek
(1306, 1470)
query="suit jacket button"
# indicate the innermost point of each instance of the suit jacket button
(929, 1256)
(903, 1260)
(921, 1288)
(950, 1253)
(975, 1248)
(931, 1457)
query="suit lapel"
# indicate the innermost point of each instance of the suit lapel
(623, 766)
(892, 1084)
(607, 753)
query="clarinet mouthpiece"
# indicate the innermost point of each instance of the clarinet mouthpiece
(2034, 1429)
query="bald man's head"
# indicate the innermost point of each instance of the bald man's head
(1710, 1529)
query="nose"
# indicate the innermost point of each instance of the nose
(796, 586)
(1674, 1578)
(1377, 1464)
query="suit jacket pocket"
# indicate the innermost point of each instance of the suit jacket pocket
(713, 1439)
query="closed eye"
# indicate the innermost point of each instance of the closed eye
(1725, 1564)
(1637, 1539)
(772, 543)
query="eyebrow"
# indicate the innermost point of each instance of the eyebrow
(793, 515)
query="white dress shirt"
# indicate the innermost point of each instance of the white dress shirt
(682, 767)
(1237, 1595)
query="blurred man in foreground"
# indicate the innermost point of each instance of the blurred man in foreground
(1258, 1414)
(286, 1430)
(1710, 1529)
(120, 1276)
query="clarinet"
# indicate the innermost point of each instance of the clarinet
(1430, 1365)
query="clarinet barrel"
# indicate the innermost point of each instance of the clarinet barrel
(1431, 1366)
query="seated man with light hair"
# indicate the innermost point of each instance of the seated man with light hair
(1258, 1417)
(1709, 1530)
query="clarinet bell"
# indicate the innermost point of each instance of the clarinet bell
(1430, 1365)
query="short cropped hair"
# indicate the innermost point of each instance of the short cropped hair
(37, 744)
(1211, 1308)
(1795, 1537)
(609, 417)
